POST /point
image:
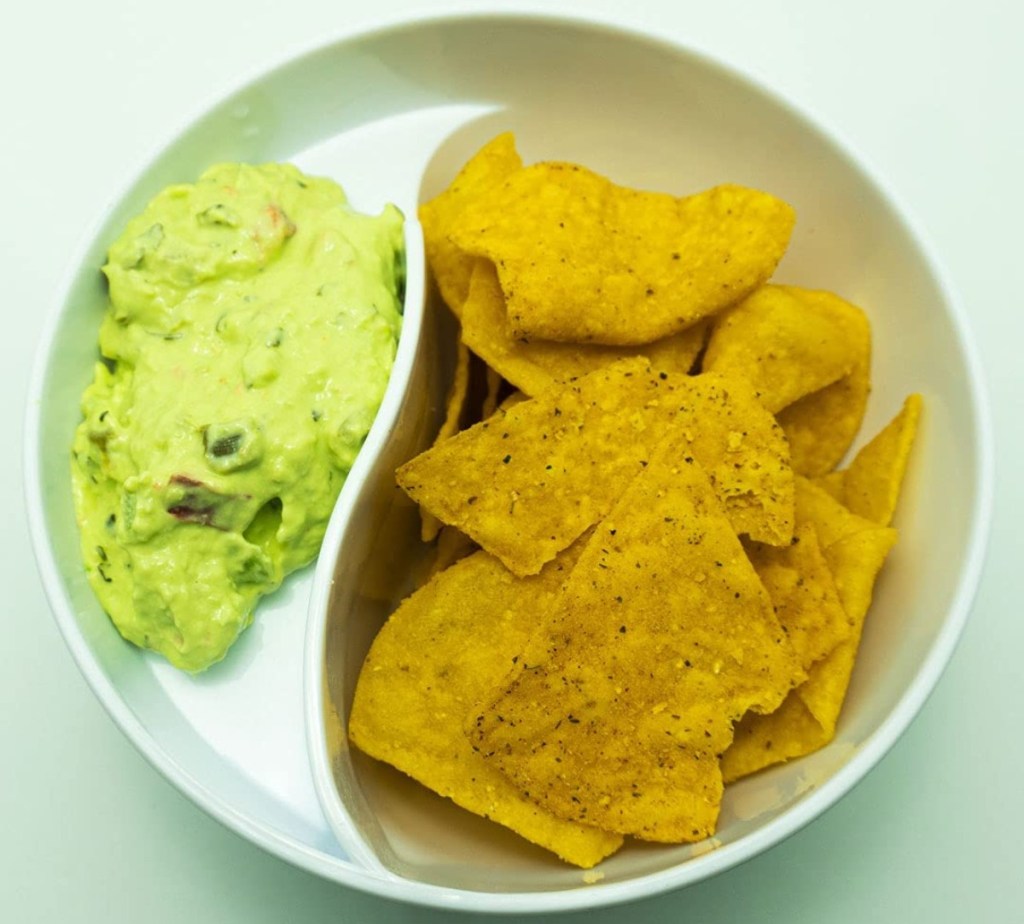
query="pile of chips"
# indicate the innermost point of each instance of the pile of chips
(651, 577)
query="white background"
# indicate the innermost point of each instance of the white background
(928, 93)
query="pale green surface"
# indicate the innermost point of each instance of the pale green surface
(251, 329)
(926, 90)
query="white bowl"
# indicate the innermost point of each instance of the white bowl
(391, 114)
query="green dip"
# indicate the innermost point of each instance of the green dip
(252, 327)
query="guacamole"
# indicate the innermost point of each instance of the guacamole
(251, 330)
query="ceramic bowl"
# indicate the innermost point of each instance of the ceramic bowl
(259, 740)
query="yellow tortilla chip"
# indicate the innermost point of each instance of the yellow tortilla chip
(803, 592)
(450, 266)
(821, 426)
(744, 452)
(855, 551)
(831, 483)
(765, 740)
(452, 546)
(583, 260)
(871, 485)
(517, 397)
(534, 365)
(855, 561)
(787, 341)
(458, 394)
(831, 520)
(429, 667)
(493, 388)
(618, 710)
(526, 484)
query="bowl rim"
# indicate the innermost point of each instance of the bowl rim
(342, 871)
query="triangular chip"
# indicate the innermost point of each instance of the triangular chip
(803, 592)
(831, 520)
(455, 409)
(855, 552)
(618, 710)
(855, 562)
(458, 396)
(583, 260)
(787, 341)
(451, 546)
(821, 426)
(831, 483)
(450, 266)
(765, 740)
(517, 397)
(744, 452)
(428, 668)
(527, 482)
(494, 382)
(871, 484)
(534, 365)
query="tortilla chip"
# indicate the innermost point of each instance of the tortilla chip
(431, 664)
(803, 592)
(831, 520)
(583, 260)
(450, 266)
(871, 485)
(765, 740)
(787, 341)
(855, 561)
(451, 547)
(618, 710)
(535, 365)
(744, 452)
(855, 551)
(458, 394)
(678, 353)
(490, 402)
(821, 426)
(525, 485)
(516, 397)
(831, 483)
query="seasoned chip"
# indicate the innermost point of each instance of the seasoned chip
(803, 592)
(455, 409)
(679, 352)
(871, 485)
(452, 546)
(490, 402)
(516, 397)
(764, 740)
(534, 365)
(583, 260)
(855, 561)
(831, 520)
(458, 395)
(821, 426)
(855, 550)
(428, 668)
(618, 710)
(451, 267)
(525, 485)
(787, 341)
(831, 483)
(744, 452)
